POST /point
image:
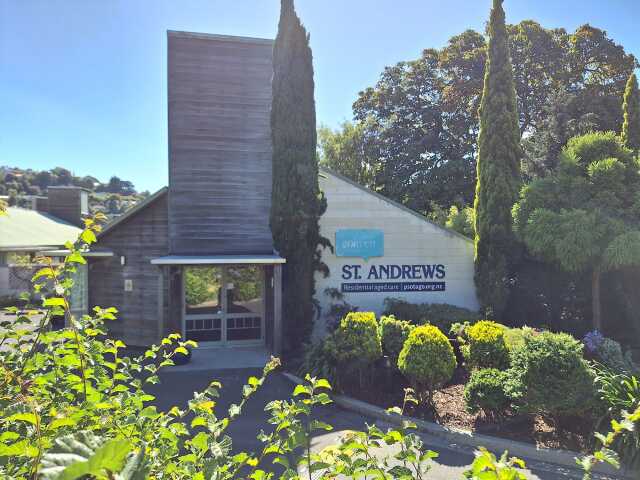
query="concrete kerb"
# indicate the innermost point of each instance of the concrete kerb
(564, 458)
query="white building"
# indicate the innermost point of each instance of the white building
(415, 259)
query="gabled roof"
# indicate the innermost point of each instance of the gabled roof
(324, 170)
(29, 230)
(133, 210)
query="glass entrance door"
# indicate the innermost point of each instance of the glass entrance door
(224, 304)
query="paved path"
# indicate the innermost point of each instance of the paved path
(177, 387)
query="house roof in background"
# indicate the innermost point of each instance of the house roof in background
(29, 230)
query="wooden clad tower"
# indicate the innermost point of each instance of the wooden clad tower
(219, 93)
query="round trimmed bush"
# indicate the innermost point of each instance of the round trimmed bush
(356, 342)
(550, 376)
(427, 360)
(485, 392)
(485, 346)
(394, 333)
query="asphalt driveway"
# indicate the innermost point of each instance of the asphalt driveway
(176, 388)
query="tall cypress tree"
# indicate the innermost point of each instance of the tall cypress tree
(296, 203)
(631, 109)
(498, 165)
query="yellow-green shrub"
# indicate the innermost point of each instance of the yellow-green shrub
(485, 346)
(427, 360)
(514, 337)
(356, 342)
(394, 333)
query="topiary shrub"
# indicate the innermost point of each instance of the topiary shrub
(355, 344)
(427, 360)
(485, 346)
(514, 337)
(394, 333)
(550, 376)
(485, 392)
(442, 315)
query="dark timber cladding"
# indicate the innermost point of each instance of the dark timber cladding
(219, 92)
(129, 281)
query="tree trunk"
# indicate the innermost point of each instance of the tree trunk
(595, 299)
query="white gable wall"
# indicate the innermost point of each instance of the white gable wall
(408, 240)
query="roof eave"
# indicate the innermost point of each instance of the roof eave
(132, 211)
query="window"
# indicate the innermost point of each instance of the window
(224, 304)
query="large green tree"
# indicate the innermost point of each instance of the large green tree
(297, 203)
(631, 112)
(498, 183)
(586, 216)
(344, 151)
(419, 123)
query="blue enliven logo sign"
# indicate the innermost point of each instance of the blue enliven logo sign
(360, 243)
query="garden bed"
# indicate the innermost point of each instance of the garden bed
(450, 412)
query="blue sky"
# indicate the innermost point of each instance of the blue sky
(83, 82)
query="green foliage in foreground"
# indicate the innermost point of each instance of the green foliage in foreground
(73, 407)
(621, 393)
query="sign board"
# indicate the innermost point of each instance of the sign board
(359, 243)
(380, 278)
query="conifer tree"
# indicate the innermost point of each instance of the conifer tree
(297, 203)
(631, 109)
(498, 166)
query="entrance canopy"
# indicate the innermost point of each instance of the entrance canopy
(219, 260)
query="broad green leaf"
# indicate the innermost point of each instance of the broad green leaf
(43, 272)
(54, 302)
(76, 257)
(88, 236)
(83, 454)
(301, 389)
(322, 383)
(201, 441)
(23, 417)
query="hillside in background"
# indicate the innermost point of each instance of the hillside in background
(18, 186)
